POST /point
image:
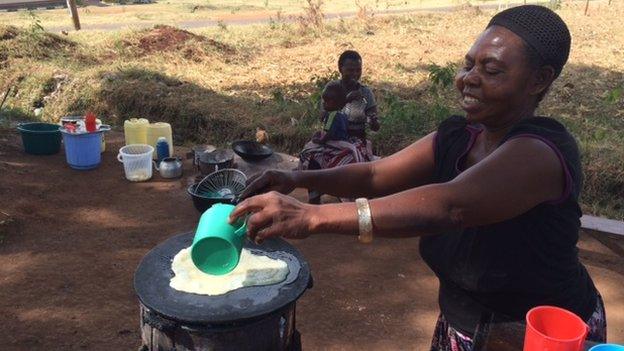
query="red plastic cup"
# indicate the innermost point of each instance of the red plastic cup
(552, 328)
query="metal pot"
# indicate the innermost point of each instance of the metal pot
(197, 151)
(169, 167)
(213, 161)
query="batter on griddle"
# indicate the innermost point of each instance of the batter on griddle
(252, 270)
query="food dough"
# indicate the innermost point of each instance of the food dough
(251, 270)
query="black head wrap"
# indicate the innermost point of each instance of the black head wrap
(542, 30)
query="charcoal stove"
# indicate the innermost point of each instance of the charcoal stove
(249, 318)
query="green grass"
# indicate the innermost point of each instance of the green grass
(218, 85)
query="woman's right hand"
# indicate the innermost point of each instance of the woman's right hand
(270, 180)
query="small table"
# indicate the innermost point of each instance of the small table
(495, 334)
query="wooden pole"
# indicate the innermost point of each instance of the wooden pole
(6, 95)
(586, 7)
(71, 5)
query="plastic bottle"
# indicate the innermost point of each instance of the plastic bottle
(98, 123)
(162, 148)
(90, 122)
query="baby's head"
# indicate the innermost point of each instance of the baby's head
(334, 96)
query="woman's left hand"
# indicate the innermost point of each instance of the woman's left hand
(354, 95)
(275, 214)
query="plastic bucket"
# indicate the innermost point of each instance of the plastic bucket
(554, 329)
(607, 347)
(75, 119)
(83, 150)
(40, 138)
(217, 244)
(137, 161)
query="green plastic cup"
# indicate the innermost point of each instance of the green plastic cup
(217, 244)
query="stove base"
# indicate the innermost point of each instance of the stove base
(273, 332)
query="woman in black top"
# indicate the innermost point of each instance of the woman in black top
(494, 193)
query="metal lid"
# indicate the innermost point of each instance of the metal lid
(152, 277)
(217, 156)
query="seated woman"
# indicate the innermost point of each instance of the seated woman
(360, 109)
(494, 193)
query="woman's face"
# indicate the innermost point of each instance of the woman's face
(351, 71)
(496, 83)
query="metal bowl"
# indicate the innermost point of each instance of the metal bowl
(251, 151)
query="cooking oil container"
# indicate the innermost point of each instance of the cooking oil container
(135, 131)
(157, 130)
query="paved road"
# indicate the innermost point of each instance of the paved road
(194, 24)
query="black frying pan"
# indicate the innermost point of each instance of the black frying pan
(251, 151)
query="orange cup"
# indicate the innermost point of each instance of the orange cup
(550, 328)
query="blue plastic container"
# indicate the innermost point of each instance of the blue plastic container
(162, 149)
(82, 150)
(607, 347)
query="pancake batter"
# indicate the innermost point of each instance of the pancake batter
(252, 270)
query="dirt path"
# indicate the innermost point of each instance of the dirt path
(68, 258)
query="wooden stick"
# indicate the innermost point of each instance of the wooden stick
(586, 7)
(6, 95)
(71, 5)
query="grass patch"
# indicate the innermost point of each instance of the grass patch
(32, 43)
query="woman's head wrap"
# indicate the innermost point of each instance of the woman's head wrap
(542, 30)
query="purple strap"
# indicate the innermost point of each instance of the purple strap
(568, 177)
(474, 132)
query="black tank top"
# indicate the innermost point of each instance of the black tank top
(509, 267)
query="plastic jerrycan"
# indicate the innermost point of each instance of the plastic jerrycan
(135, 130)
(217, 244)
(157, 130)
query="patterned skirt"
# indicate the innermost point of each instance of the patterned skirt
(446, 338)
(335, 153)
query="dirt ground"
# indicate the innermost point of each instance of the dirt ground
(70, 242)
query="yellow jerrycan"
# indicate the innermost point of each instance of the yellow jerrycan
(157, 130)
(135, 130)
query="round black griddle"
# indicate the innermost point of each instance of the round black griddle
(251, 151)
(151, 283)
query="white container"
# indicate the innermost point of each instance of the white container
(137, 161)
(135, 131)
(157, 130)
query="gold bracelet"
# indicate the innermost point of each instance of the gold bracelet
(365, 221)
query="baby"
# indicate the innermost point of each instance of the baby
(334, 99)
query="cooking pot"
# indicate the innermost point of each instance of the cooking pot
(197, 151)
(213, 161)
